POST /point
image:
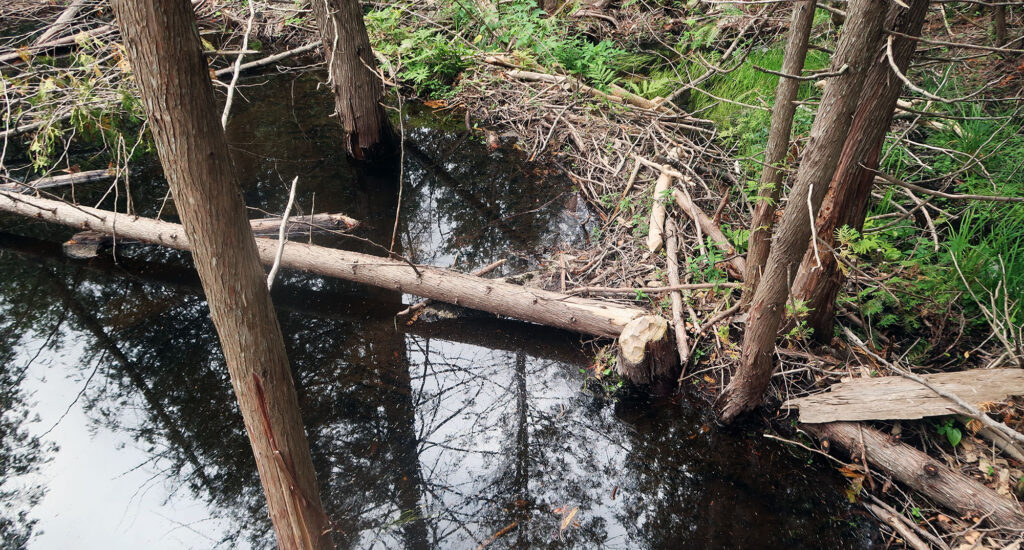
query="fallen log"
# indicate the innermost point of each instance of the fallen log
(921, 473)
(50, 182)
(88, 244)
(572, 313)
(476, 273)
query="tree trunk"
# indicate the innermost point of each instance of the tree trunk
(921, 473)
(778, 145)
(999, 24)
(855, 53)
(847, 200)
(164, 50)
(572, 313)
(357, 89)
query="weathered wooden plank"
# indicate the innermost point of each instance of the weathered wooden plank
(899, 398)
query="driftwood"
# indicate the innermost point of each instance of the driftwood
(88, 244)
(899, 398)
(921, 473)
(645, 350)
(572, 313)
(59, 181)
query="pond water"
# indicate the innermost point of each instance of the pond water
(120, 430)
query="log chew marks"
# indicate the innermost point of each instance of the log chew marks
(646, 350)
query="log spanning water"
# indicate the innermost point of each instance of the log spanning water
(581, 315)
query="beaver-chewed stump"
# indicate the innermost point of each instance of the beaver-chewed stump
(646, 350)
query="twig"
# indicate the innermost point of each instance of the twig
(238, 64)
(282, 235)
(625, 291)
(886, 178)
(268, 60)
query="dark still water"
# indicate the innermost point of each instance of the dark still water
(120, 430)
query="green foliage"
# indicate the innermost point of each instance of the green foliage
(706, 266)
(428, 59)
(948, 428)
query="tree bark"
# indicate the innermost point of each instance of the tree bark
(164, 51)
(855, 53)
(528, 304)
(775, 151)
(999, 24)
(357, 89)
(847, 200)
(921, 473)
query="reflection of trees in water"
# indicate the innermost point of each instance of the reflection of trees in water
(420, 441)
(21, 454)
(428, 436)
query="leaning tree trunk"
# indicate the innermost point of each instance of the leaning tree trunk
(357, 89)
(847, 200)
(857, 49)
(778, 144)
(164, 51)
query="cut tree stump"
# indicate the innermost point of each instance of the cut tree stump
(899, 398)
(646, 350)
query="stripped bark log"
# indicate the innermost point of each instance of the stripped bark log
(645, 350)
(656, 231)
(672, 256)
(538, 306)
(736, 265)
(920, 472)
(88, 244)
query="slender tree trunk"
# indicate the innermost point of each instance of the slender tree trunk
(999, 24)
(855, 53)
(357, 89)
(778, 145)
(164, 51)
(847, 200)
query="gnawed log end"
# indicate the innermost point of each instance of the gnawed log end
(647, 350)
